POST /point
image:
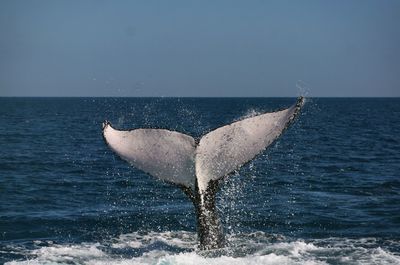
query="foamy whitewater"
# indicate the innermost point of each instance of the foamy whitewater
(327, 192)
(254, 248)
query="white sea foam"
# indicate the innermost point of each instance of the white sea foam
(181, 248)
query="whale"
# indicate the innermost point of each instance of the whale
(199, 166)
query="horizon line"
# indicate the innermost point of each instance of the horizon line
(197, 97)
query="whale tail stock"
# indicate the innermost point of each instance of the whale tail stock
(198, 167)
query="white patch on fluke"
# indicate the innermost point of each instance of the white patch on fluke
(225, 149)
(165, 154)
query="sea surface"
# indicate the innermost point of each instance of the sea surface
(327, 192)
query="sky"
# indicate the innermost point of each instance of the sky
(200, 48)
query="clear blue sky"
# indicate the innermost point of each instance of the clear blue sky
(199, 48)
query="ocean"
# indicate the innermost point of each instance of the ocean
(327, 192)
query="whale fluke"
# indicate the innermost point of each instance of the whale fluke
(197, 168)
(164, 154)
(227, 148)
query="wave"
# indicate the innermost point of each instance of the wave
(180, 247)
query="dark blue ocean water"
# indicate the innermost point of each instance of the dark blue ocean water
(327, 192)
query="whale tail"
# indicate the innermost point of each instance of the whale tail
(198, 166)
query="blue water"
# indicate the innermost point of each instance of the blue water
(327, 192)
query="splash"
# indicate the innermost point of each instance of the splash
(303, 88)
